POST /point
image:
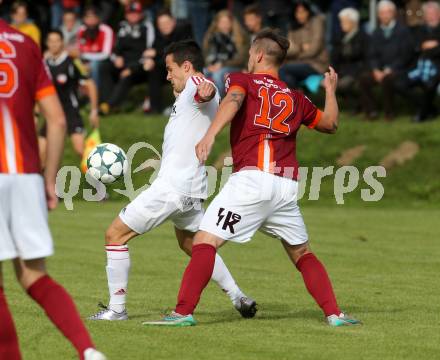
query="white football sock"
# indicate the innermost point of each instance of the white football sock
(118, 268)
(224, 279)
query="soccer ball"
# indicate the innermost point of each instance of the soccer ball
(107, 163)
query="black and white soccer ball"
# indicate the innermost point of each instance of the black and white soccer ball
(107, 163)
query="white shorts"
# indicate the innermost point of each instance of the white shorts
(253, 200)
(159, 203)
(24, 231)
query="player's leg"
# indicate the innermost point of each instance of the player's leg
(118, 266)
(315, 276)
(318, 283)
(222, 276)
(222, 221)
(117, 269)
(78, 143)
(147, 211)
(199, 271)
(57, 304)
(286, 222)
(9, 348)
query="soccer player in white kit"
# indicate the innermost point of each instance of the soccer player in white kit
(180, 187)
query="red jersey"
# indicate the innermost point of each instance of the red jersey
(97, 47)
(24, 79)
(263, 132)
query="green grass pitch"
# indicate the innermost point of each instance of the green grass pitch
(384, 265)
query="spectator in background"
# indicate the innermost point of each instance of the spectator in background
(200, 16)
(307, 54)
(390, 52)
(127, 67)
(349, 51)
(253, 20)
(277, 14)
(21, 22)
(426, 73)
(67, 78)
(413, 13)
(95, 42)
(70, 28)
(333, 22)
(168, 30)
(59, 7)
(226, 48)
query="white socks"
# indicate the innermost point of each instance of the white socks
(118, 268)
(224, 279)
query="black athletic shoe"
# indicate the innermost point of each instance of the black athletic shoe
(247, 307)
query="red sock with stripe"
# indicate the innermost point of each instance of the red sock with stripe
(196, 277)
(9, 348)
(61, 310)
(318, 283)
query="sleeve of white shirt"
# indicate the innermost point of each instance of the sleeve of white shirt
(195, 81)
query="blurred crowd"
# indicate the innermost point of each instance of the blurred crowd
(384, 51)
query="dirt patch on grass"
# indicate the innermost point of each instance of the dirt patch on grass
(349, 156)
(406, 151)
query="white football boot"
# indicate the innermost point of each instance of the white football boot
(108, 314)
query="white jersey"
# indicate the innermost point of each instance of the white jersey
(188, 123)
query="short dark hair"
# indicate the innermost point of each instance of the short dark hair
(186, 50)
(91, 9)
(18, 4)
(70, 11)
(164, 11)
(273, 43)
(55, 31)
(253, 9)
(306, 4)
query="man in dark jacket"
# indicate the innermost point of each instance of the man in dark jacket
(426, 72)
(125, 69)
(169, 30)
(390, 51)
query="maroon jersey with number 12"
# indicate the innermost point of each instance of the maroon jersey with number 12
(263, 132)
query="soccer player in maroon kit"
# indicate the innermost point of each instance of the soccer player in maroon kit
(25, 195)
(261, 194)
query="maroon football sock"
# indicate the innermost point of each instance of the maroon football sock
(318, 283)
(196, 277)
(9, 348)
(61, 310)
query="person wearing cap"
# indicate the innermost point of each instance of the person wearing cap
(134, 35)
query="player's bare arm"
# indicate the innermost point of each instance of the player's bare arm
(329, 121)
(56, 129)
(226, 112)
(206, 91)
